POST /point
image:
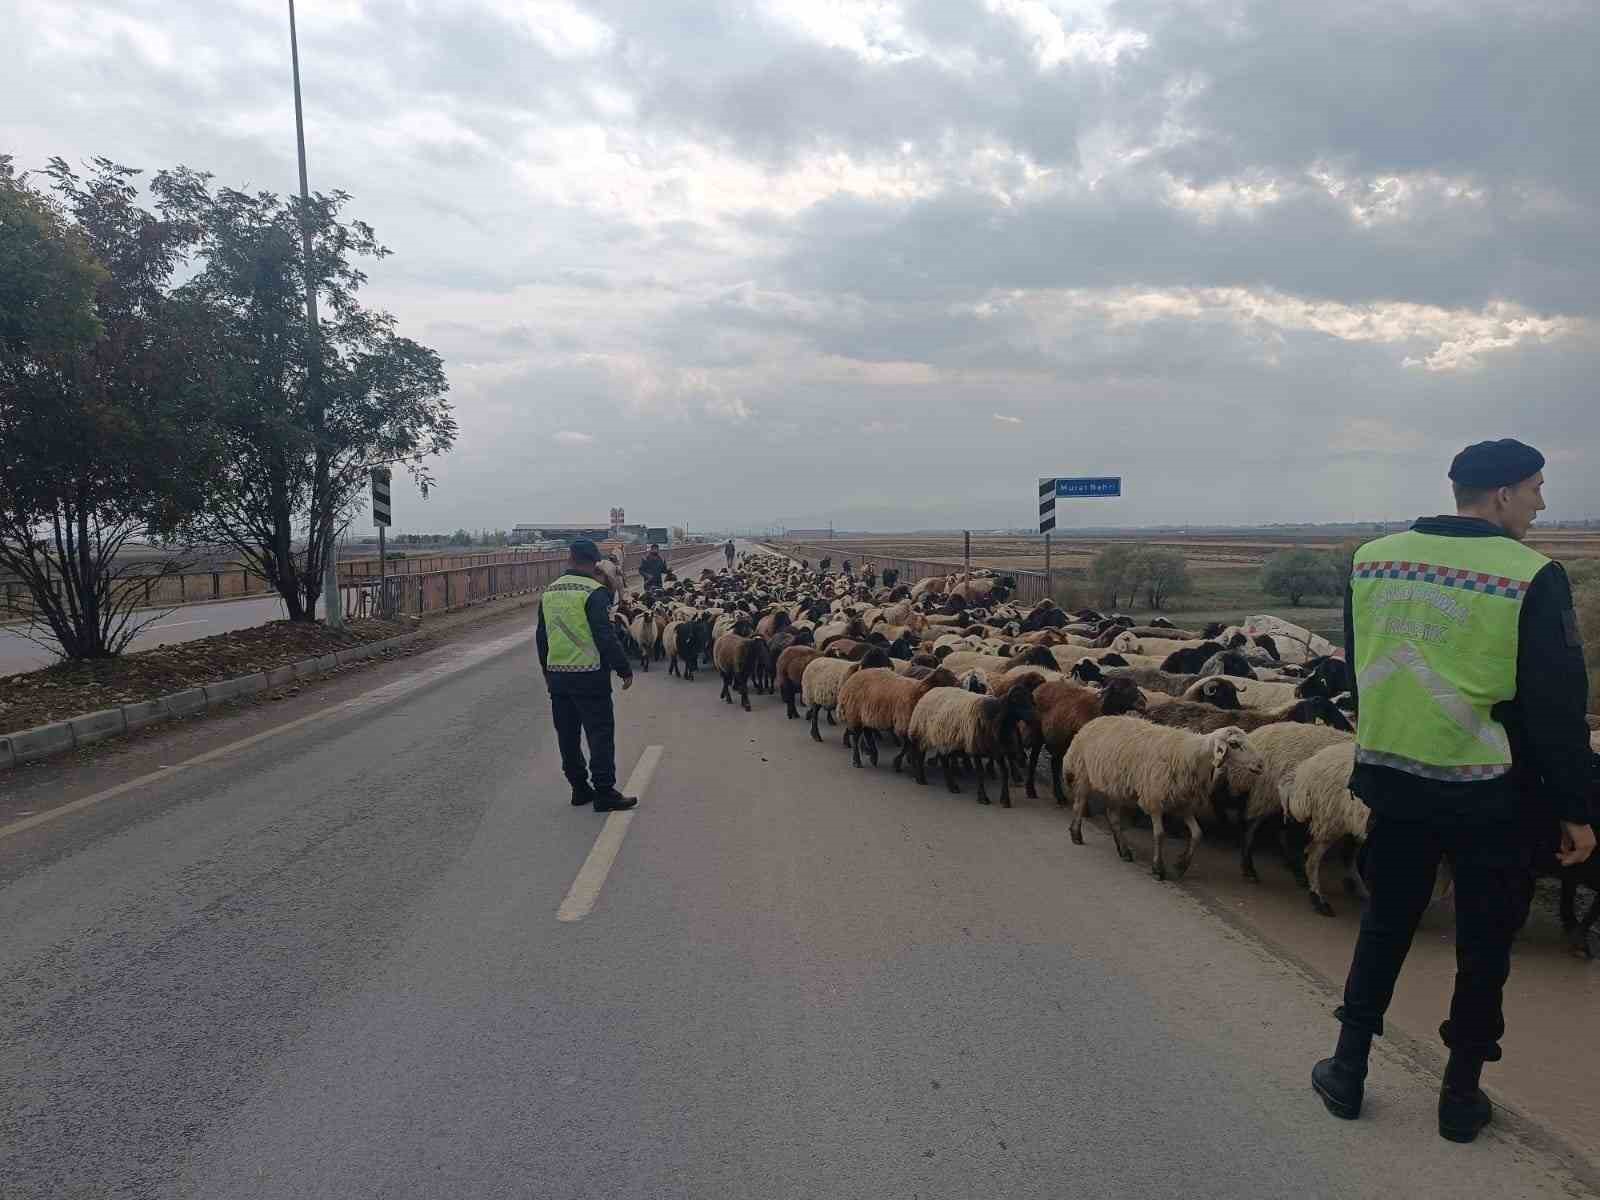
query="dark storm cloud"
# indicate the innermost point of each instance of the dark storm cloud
(884, 262)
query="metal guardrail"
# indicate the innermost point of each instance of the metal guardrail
(443, 591)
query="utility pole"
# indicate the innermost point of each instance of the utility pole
(332, 607)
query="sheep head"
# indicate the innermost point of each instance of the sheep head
(1217, 691)
(1121, 695)
(1235, 763)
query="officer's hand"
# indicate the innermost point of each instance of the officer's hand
(627, 682)
(1577, 843)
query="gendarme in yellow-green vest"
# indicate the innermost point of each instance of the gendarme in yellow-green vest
(1436, 622)
(566, 625)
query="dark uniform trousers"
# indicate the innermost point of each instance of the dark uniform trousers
(1492, 861)
(577, 716)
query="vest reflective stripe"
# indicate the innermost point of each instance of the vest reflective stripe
(566, 625)
(1436, 622)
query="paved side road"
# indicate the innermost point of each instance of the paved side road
(329, 964)
(184, 624)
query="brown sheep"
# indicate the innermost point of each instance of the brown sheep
(1063, 709)
(792, 665)
(880, 701)
(734, 655)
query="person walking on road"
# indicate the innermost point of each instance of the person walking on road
(727, 552)
(1469, 669)
(652, 567)
(578, 651)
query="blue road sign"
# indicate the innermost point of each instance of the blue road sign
(1099, 486)
(1051, 490)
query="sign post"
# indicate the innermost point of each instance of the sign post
(1063, 488)
(381, 510)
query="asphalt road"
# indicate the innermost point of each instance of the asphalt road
(328, 964)
(183, 624)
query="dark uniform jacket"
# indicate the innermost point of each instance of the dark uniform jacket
(652, 567)
(587, 683)
(1545, 721)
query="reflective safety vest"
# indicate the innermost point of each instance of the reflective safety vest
(1436, 622)
(566, 625)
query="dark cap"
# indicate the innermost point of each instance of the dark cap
(583, 550)
(1495, 464)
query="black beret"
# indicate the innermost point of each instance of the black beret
(583, 550)
(1495, 464)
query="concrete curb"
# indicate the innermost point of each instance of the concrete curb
(60, 737)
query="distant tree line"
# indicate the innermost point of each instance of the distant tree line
(159, 386)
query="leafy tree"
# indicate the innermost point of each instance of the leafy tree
(301, 429)
(105, 380)
(1295, 574)
(461, 538)
(1112, 571)
(1162, 574)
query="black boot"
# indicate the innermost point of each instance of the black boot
(1341, 1080)
(582, 794)
(1463, 1108)
(611, 800)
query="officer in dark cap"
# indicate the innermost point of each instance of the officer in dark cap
(1471, 744)
(578, 650)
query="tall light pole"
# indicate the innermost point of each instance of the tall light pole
(333, 609)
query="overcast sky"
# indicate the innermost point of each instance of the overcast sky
(886, 262)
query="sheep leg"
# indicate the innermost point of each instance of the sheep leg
(1579, 936)
(1033, 769)
(1293, 855)
(1247, 852)
(1187, 857)
(811, 716)
(1005, 787)
(787, 692)
(1319, 847)
(1080, 807)
(905, 746)
(855, 746)
(831, 721)
(919, 763)
(1114, 822)
(672, 665)
(1055, 780)
(872, 745)
(1158, 830)
(744, 693)
(1354, 885)
(727, 679)
(950, 778)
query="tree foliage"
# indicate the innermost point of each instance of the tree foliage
(105, 386)
(1112, 572)
(1161, 575)
(302, 426)
(1295, 574)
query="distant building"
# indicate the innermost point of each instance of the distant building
(807, 535)
(529, 533)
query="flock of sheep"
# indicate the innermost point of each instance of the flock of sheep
(1220, 726)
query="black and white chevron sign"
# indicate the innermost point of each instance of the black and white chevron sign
(380, 496)
(1047, 505)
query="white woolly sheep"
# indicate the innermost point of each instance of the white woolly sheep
(1318, 796)
(950, 721)
(1165, 772)
(1284, 746)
